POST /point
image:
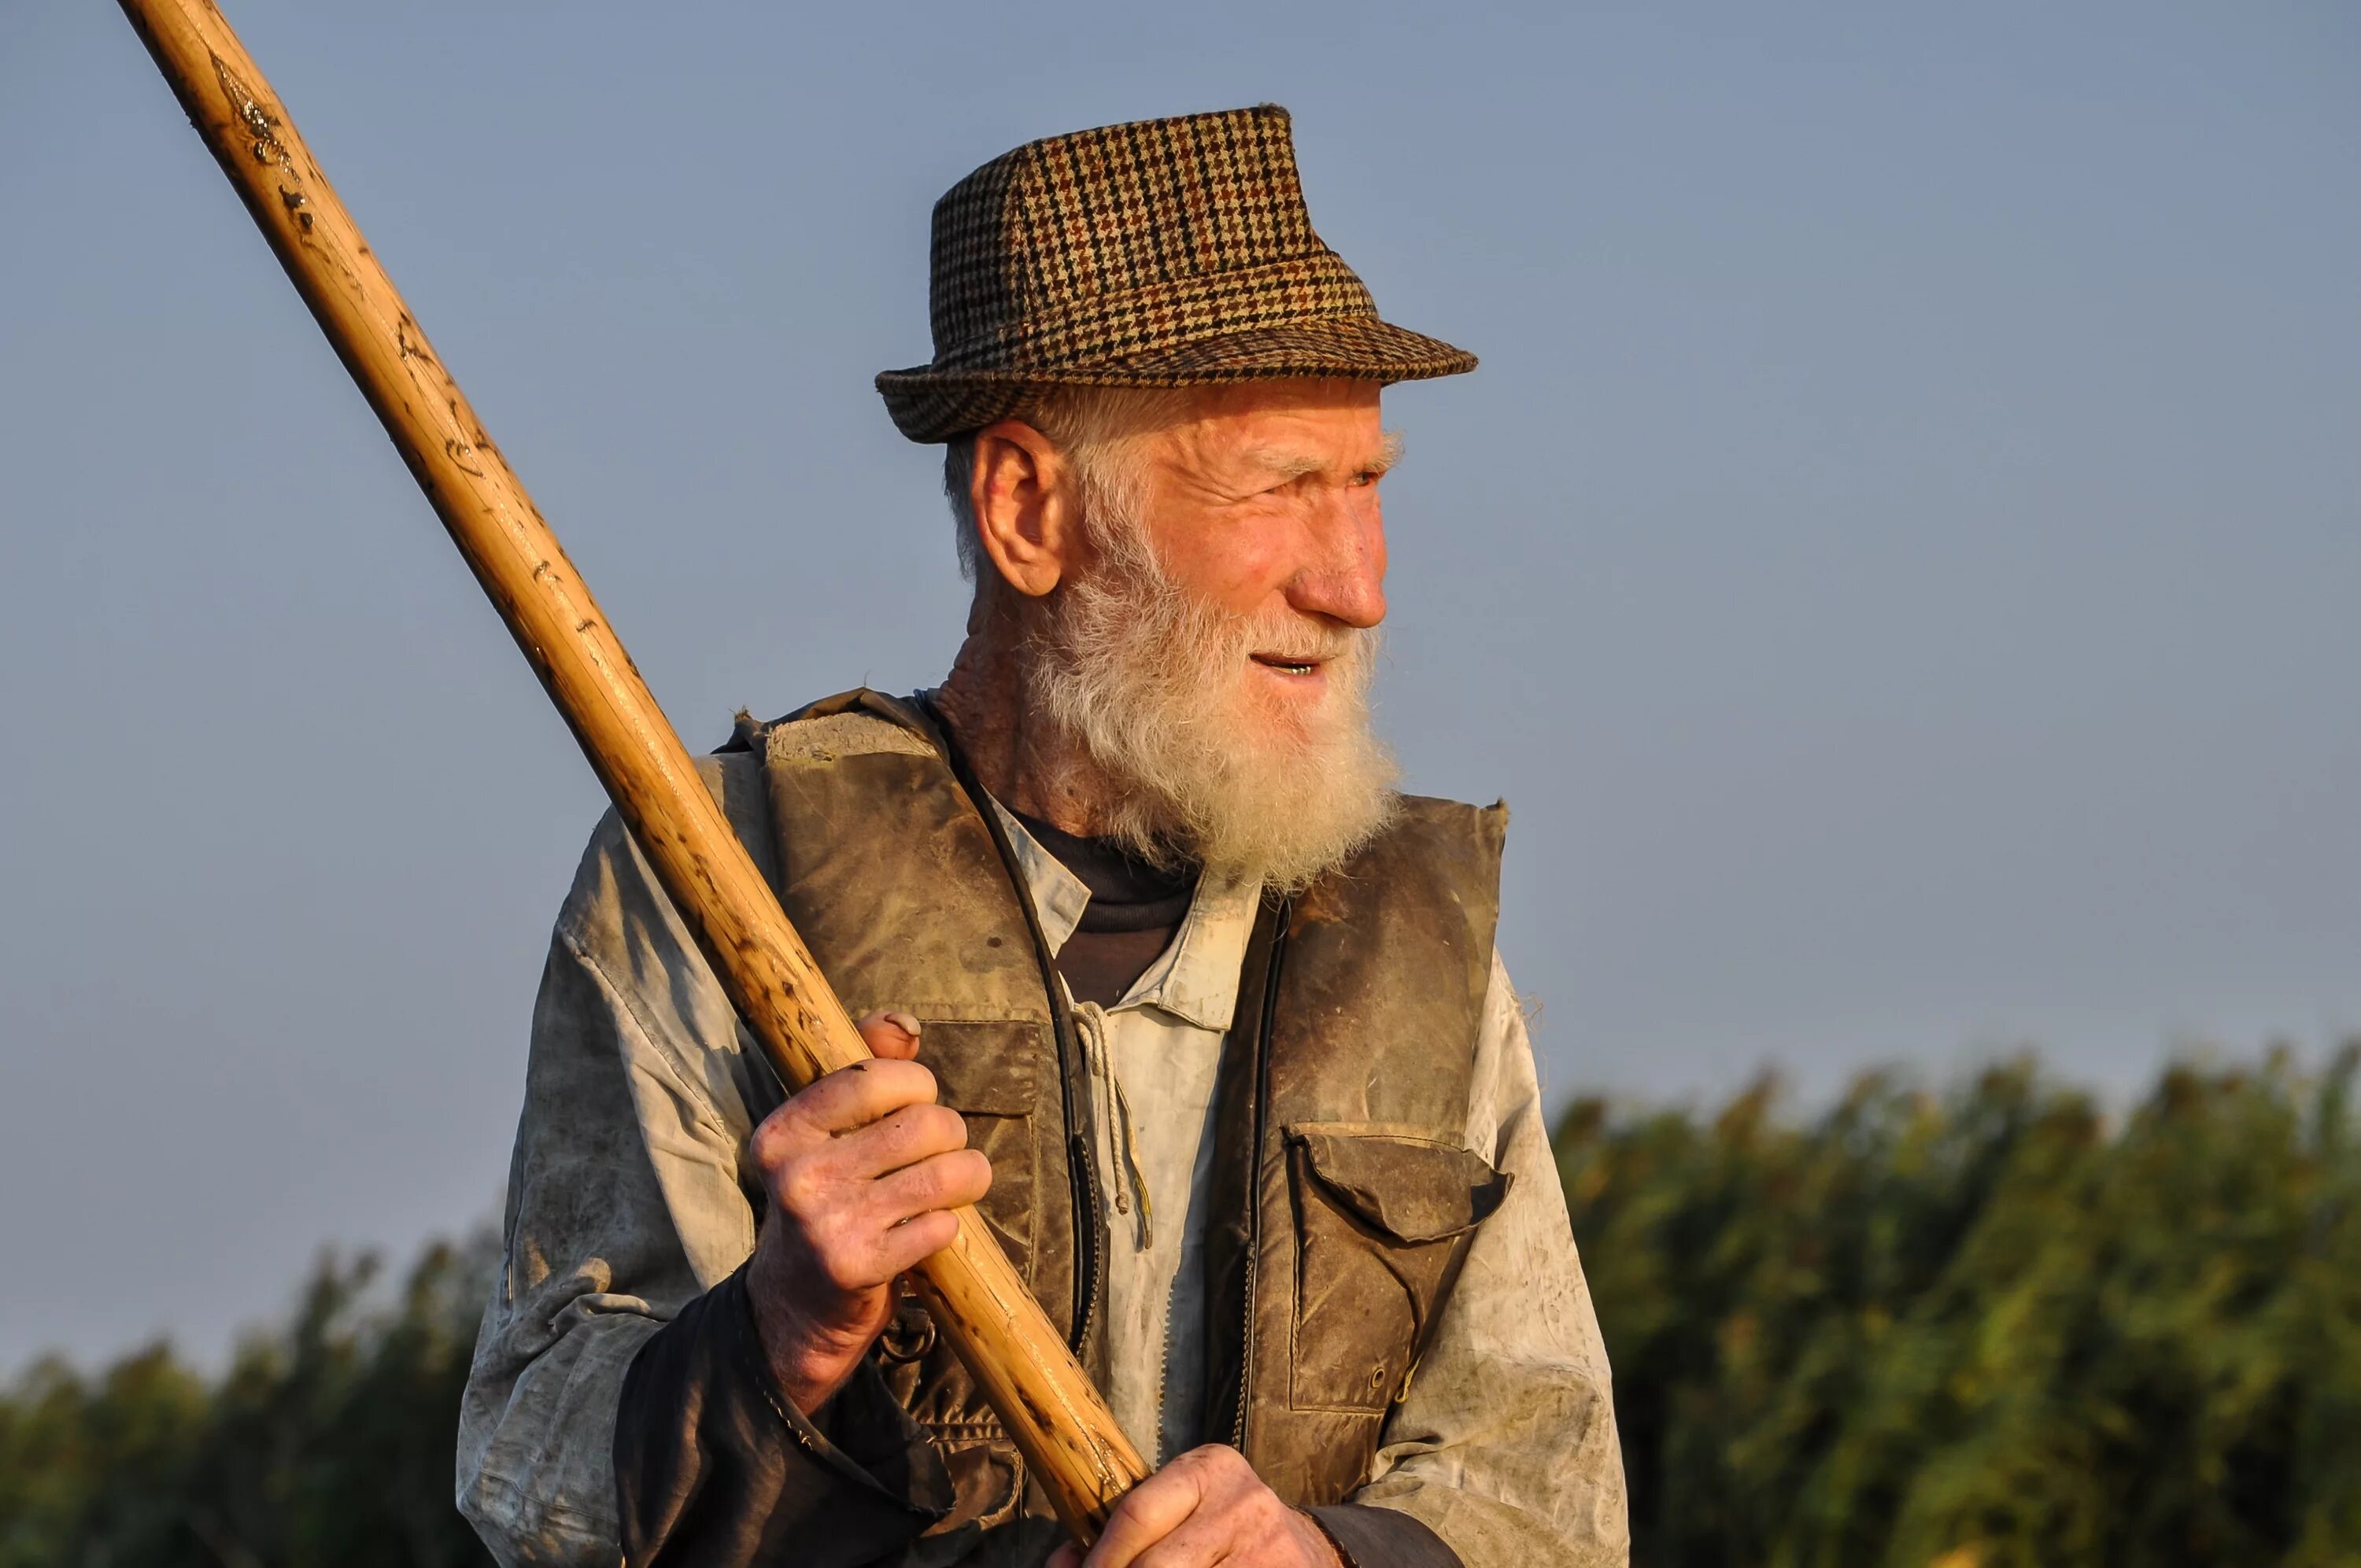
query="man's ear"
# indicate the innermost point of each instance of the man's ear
(1027, 504)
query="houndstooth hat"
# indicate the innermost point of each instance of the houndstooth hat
(1163, 253)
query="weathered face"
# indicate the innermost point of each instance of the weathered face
(1191, 595)
(1261, 504)
(1207, 600)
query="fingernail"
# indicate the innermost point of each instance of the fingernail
(903, 1022)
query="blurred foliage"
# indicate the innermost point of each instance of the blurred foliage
(329, 1443)
(1985, 1329)
(1990, 1328)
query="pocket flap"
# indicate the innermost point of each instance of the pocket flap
(1413, 1187)
(983, 1069)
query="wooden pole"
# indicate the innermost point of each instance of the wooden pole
(978, 1302)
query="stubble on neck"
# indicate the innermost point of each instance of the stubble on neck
(1027, 763)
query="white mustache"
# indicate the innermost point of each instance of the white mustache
(1322, 645)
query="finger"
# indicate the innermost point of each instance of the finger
(948, 1180)
(1148, 1512)
(894, 1036)
(1235, 1515)
(908, 1244)
(1068, 1555)
(1224, 1514)
(782, 1133)
(901, 1138)
(1209, 1535)
(857, 1095)
(848, 1098)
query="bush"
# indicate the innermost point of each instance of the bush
(1987, 1330)
(1973, 1331)
(330, 1443)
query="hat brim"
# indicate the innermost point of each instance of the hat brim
(932, 405)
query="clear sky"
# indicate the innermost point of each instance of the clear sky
(1901, 557)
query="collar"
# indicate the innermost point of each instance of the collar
(1196, 978)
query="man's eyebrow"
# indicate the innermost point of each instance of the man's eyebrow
(1286, 464)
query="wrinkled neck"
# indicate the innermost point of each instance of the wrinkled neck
(1028, 762)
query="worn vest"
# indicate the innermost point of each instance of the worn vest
(1343, 1200)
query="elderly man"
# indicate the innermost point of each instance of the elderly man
(1161, 971)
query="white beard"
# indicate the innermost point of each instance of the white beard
(1153, 686)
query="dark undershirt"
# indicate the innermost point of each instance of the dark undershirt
(1134, 913)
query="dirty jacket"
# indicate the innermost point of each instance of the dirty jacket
(1395, 1316)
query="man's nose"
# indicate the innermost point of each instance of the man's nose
(1346, 581)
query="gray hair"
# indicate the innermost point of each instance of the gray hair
(1094, 427)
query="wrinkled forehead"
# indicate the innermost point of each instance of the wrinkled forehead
(1283, 429)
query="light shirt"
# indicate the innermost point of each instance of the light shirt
(1159, 1049)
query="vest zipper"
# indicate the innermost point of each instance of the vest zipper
(1081, 1178)
(1254, 1186)
(1081, 1161)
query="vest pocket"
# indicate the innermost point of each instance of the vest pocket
(986, 1071)
(1382, 1216)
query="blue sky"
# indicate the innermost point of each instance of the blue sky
(1899, 558)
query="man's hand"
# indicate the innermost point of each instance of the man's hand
(863, 1170)
(1206, 1506)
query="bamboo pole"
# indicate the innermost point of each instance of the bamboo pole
(978, 1300)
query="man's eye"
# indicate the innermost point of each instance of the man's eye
(1367, 478)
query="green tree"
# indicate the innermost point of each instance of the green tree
(1991, 1328)
(329, 1443)
(1990, 1325)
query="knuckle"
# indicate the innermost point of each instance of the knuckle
(810, 1189)
(764, 1148)
(888, 1136)
(794, 1187)
(843, 1259)
(940, 1126)
(777, 1137)
(933, 1180)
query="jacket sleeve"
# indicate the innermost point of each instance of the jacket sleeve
(1504, 1446)
(712, 1465)
(630, 1208)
